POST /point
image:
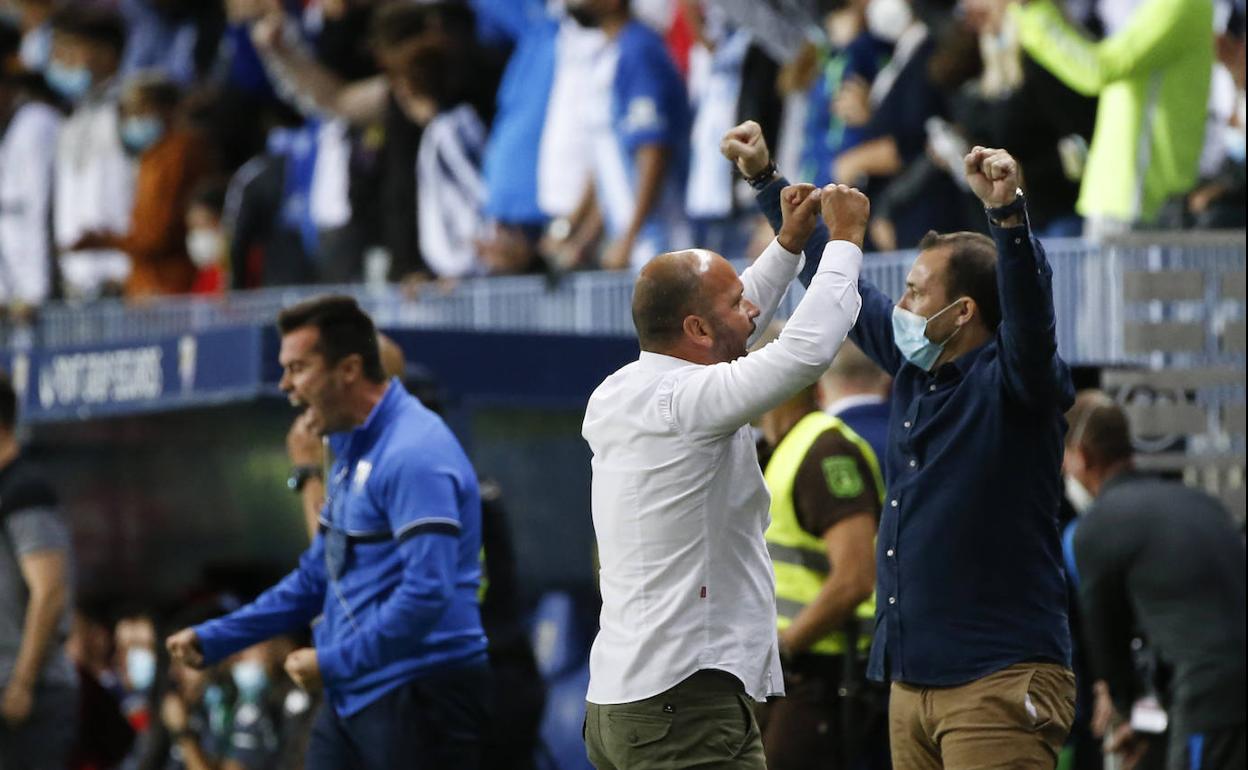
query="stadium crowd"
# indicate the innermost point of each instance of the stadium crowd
(156, 147)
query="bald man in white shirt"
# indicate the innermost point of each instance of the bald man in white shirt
(687, 634)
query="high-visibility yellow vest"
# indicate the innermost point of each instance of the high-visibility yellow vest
(799, 558)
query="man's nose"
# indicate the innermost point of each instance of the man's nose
(754, 311)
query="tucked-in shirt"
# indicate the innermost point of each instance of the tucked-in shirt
(969, 575)
(395, 570)
(94, 190)
(1167, 560)
(679, 502)
(27, 157)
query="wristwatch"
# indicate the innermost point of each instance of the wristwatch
(764, 177)
(998, 214)
(299, 476)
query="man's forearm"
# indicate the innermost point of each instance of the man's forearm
(652, 160)
(43, 614)
(830, 610)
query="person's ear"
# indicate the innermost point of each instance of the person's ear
(967, 311)
(698, 330)
(351, 368)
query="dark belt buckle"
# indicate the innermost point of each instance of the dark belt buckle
(335, 552)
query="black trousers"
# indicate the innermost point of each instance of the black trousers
(432, 723)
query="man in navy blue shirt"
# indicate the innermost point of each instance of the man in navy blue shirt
(971, 624)
(393, 572)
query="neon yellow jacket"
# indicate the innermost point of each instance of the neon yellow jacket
(1152, 78)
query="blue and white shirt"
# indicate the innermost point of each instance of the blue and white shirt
(394, 570)
(639, 99)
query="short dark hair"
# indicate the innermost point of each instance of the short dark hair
(662, 300)
(401, 21)
(155, 89)
(345, 330)
(972, 270)
(1099, 426)
(98, 25)
(8, 403)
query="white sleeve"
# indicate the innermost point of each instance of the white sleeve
(719, 399)
(768, 279)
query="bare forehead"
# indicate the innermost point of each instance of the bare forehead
(299, 343)
(931, 264)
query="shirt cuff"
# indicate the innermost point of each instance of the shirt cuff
(842, 257)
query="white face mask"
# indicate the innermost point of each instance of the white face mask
(204, 247)
(888, 19)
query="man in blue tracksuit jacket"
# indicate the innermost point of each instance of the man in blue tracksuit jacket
(393, 572)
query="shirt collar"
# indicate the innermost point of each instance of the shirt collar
(960, 366)
(1122, 477)
(849, 402)
(662, 361)
(366, 432)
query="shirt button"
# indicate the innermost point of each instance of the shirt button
(931, 388)
(890, 552)
(893, 503)
(914, 463)
(906, 424)
(892, 600)
(1018, 240)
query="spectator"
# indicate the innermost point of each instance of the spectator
(167, 36)
(433, 88)
(1166, 559)
(1219, 200)
(94, 180)
(1017, 104)
(35, 16)
(172, 159)
(912, 196)
(206, 243)
(838, 110)
(39, 704)
(254, 739)
(1152, 79)
(826, 492)
(637, 113)
(135, 639)
(29, 124)
(105, 738)
(195, 715)
(717, 62)
(855, 390)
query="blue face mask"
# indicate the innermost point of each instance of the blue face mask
(140, 668)
(250, 678)
(910, 335)
(140, 133)
(72, 83)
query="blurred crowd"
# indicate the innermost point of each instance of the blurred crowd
(156, 147)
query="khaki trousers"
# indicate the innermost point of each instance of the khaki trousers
(1016, 718)
(705, 722)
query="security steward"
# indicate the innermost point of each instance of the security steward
(826, 493)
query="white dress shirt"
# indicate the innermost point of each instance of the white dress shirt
(679, 502)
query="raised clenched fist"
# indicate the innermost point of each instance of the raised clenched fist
(744, 145)
(845, 212)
